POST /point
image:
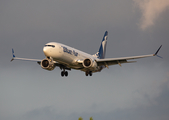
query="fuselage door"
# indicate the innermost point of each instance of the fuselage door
(60, 49)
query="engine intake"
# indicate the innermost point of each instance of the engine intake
(47, 64)
(89, 63)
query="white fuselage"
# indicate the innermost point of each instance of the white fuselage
(65, 55)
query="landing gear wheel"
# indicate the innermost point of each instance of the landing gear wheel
(90, 73)
(62, 73)
(66, 73)
(86, 73)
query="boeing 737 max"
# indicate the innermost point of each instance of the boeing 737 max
(68, 58)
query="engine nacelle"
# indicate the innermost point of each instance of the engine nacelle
(89, 63)
(47, 64)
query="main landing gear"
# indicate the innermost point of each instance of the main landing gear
(64, 73)
(88, 73)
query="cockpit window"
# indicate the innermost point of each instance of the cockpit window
(50, 46)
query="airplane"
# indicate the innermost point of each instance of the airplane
(67, 58)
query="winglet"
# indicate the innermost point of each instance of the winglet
(12, 55)
(157, 52)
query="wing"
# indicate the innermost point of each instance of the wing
(25, 59)
(114, 61)
(38, 61)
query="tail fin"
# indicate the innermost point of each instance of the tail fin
(102, 50)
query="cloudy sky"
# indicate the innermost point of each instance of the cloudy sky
(134, 91)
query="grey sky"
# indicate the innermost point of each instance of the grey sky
(134, 91)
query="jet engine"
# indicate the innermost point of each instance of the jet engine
(89, 63)
(47, 64)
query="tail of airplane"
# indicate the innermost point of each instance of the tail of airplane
(102, 50)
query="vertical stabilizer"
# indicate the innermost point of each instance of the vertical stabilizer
(102, 50)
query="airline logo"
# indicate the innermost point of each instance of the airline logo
(71, 52)
(101, 53)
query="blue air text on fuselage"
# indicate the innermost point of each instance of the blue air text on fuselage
(71, 52)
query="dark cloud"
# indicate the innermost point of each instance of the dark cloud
(133, 91)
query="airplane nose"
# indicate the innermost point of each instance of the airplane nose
(45, 50)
